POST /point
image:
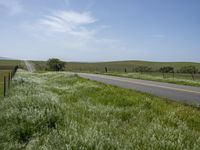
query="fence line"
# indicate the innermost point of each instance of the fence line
(7, 79)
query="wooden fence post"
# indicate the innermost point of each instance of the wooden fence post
(9, 80)
(4, 86)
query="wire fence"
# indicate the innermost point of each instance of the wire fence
(6, 77)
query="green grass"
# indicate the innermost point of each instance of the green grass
(9, 64)
(118, 69)
(2, 74)
(182, 79)
(62, 111)
(117, 66)
(5, 67)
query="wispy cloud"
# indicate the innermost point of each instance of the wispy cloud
(12, 7)
(69, 22)
(72, 31)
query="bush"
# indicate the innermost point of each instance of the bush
(166, 69)
(55, 65)
(190, 70)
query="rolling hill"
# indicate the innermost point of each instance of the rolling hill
(116, 65)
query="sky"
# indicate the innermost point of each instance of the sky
(100, 30)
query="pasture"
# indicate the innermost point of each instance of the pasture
(117, 66)
(6, 66)
(2, 74)
(177, 78)
(120, 66)
(63, 111)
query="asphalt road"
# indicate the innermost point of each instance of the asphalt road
(180, 93)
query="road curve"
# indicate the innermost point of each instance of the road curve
(180, 93)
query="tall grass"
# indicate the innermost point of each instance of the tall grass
(63, 111)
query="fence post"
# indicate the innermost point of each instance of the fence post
(12, 74)
(4, 86)
(9, 80)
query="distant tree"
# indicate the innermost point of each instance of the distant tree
(55, 64)
(190, 70)
(143, 69)
(125, 70)
(166, 69)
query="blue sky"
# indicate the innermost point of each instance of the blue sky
(100, 30)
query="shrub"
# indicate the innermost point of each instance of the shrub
(166, 69)
(55, 65)
(190, 70)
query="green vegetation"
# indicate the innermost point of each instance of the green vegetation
(190, 70)
(166, 70)
(2, 74)
(62, 111)
(9, 64)
(173, 72)
(177, 78)
(118, 66)
(55, 65)
(5, 67)
(142, 69)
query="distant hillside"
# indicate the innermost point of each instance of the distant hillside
(3, 58)
(129, 65)
(6, 58)
(5, 63)
(117, 65)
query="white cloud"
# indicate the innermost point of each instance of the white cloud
(72, 31)
(70, 22)
(12, 6)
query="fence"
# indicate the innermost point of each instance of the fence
(7, 79)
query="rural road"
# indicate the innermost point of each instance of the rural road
(29, 66)
(180, 93)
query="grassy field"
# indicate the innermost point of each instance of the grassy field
(118, 69)
(182, 79)
(119, 66)
(62, 111)
(2, 74)
(116, 66)
(5, 67)
(9, 64)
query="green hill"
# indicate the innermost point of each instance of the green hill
(6, 64)
(100, 66)
(121, 65)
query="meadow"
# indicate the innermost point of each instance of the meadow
(116, 66)
(177, 78)
(118, 69)
(2, 74)
(63, 111)
(9, 64)
(5, 68)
